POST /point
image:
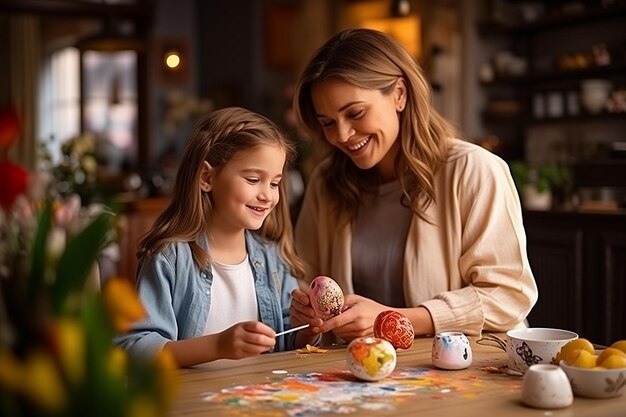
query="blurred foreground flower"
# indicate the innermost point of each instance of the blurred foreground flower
(56, 351)
(77, 171)
(122, 304)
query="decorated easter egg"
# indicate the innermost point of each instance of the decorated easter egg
(370, 358)
(394, 327)
(326, 297)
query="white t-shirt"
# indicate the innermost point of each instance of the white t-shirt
(233, 296)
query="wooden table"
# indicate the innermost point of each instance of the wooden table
(318, 384)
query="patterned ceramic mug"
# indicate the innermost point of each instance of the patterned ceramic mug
(535, 345)
(451, 350)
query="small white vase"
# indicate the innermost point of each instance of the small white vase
(535, 200)
(546, 386)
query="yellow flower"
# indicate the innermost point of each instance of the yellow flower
(117, 361)
(122, 303)
(165, 361)
(11, 371)
(167, 368)
(45, 386)
(70, 339)
(142, 406)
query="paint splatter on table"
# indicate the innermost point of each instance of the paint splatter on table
(339, 392)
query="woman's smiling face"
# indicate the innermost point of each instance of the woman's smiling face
(362, 123)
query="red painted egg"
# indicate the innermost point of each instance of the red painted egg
(326, 297)
(394, 327)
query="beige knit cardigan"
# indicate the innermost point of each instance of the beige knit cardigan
(468, 266)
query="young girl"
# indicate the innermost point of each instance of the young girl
(217, 268)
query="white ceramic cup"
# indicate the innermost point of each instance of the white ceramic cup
(451, 350)
(535, 345)
(546, 386)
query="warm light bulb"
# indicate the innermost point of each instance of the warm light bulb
(172, 60)
(401, 8)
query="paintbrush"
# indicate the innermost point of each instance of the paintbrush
(295, 329)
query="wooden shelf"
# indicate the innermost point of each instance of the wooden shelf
(600, 173)
(580, 118)
(552, 23)
(503, 118)
(518, 119)
(545, 77)
(541, 43)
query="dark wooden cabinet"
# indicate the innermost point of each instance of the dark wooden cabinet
(579, 262)
(557, 253)
(610, 247)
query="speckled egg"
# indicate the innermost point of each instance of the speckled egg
(326, 297)
(394, 327)
(370, 358)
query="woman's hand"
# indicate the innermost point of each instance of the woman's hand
(248, 338)
(356, 319)
(301, 312)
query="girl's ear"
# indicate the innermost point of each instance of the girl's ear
(206, 177)
(399, 93)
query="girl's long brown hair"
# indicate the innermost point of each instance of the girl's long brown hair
(216, 139)
(371, 59)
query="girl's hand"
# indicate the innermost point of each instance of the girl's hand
(248, 338)
(356, 319)
(301, 312)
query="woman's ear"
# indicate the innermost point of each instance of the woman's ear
(399, 94)
(206, 176)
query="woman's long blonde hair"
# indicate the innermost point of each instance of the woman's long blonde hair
(373, 60)
(216, 139)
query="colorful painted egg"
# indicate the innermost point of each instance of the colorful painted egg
(394, 327)
(326, 297)
(370, 358)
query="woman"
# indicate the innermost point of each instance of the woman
(401, 214)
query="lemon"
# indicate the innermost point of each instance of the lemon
(567, 351)
(620, 345)
(614, 362)
(609, 352)
(583, 359)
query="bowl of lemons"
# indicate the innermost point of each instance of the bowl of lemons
(594, 373)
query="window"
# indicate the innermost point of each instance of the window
(109, 100)
(59, 108)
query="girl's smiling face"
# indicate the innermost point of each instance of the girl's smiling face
(246, 189)
(362, 123)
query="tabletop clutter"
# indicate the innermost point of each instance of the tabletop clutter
(555, 364)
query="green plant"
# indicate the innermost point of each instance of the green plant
(545, 177)
(56, 352)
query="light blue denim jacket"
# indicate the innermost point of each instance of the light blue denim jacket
(177, 296)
